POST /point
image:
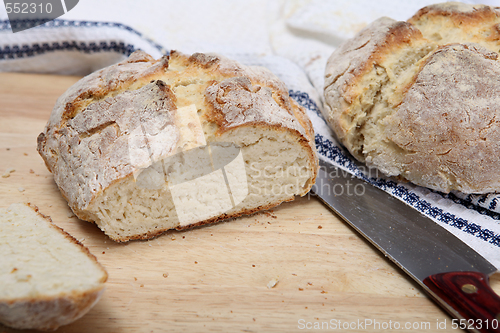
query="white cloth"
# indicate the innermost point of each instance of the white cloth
(292, 38)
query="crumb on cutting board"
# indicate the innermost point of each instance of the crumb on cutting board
(8, 172)
(273, 283)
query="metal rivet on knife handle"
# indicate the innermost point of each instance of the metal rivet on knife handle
(470, 295)
(469, 288)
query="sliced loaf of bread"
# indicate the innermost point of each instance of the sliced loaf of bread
(145, 145)
(47, 277)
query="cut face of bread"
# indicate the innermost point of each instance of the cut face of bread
(419, 99)
(150, 145)
(48, 279)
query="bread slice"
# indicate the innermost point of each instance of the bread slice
(48, 278)
(419, 100)
(148, 145)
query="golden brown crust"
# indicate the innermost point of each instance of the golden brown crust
(397, 35)
(48, 314)
(139, 68)
(236, 102)
(203, 60)
(458, 13)
(99, 84)
(459, 22)
(347, 67)
(380, 39)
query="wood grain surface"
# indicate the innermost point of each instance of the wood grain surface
(216, 278)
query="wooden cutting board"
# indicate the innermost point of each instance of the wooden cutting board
(216, 278)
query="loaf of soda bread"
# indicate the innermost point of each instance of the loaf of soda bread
(148, 145)
(420, 100)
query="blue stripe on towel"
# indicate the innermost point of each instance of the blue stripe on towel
(16, 51)
(25, 50)
(304, 100)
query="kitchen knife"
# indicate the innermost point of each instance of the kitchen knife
(450, 271)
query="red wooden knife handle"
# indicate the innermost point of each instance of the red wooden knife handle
(470, 294)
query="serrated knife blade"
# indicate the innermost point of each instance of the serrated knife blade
(451, 272)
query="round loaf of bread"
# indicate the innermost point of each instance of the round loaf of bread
(420, 100)
(148, 145)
